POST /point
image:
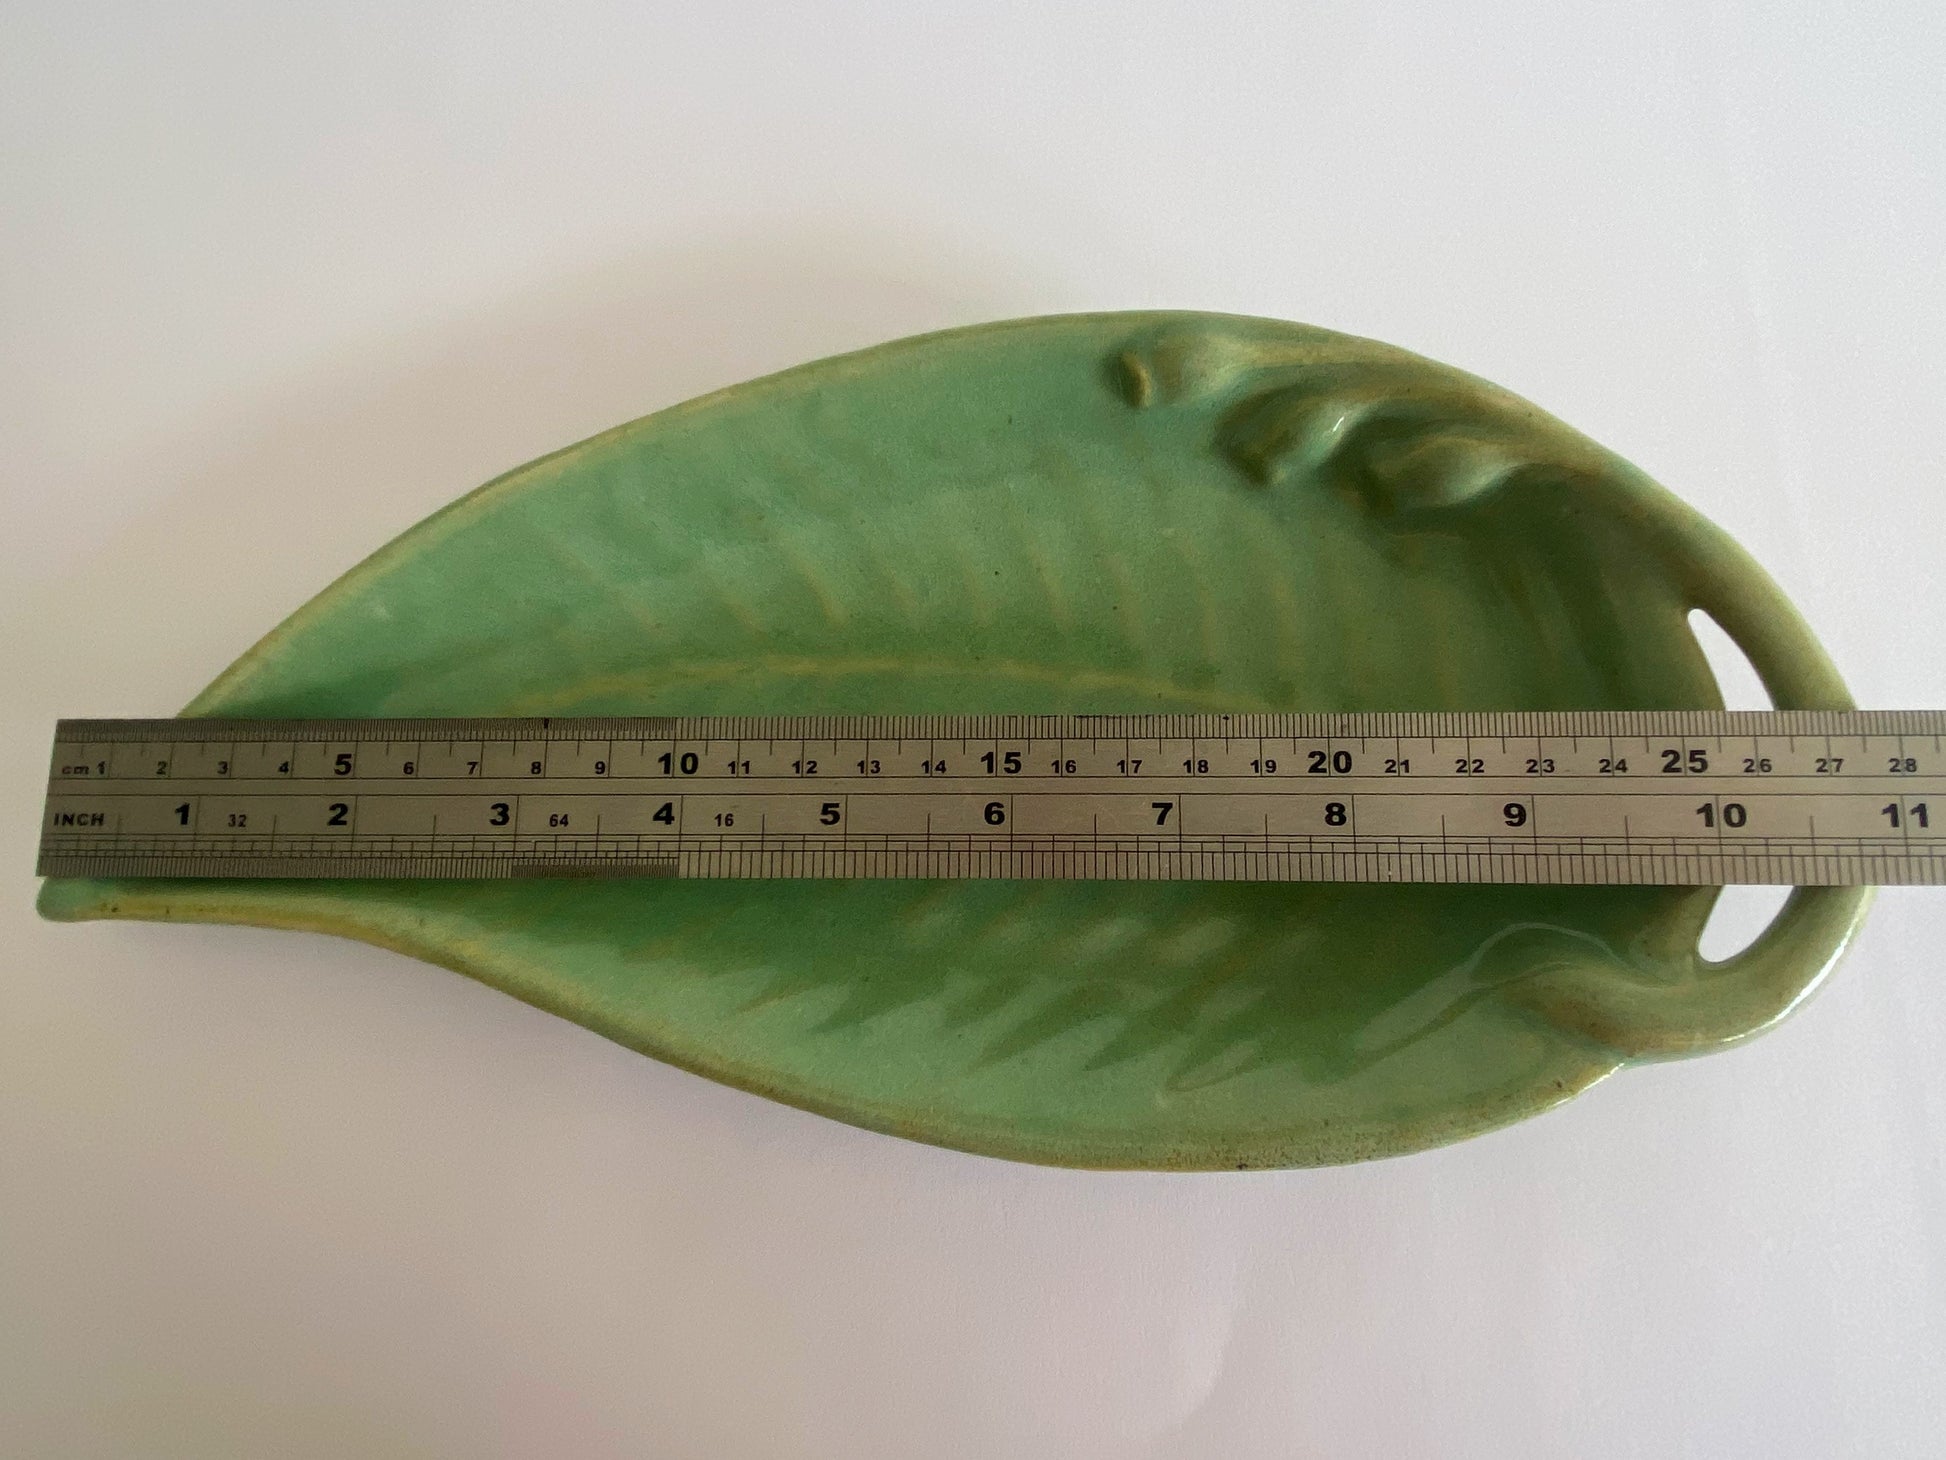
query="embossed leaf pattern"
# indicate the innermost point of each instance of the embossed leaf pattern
(1090, 514)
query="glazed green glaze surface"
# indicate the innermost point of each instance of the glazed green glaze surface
(1106, 513)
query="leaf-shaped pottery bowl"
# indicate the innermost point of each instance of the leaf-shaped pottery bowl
(1101, 513)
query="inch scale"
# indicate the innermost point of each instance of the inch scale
(1679, 797)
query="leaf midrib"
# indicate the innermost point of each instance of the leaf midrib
(650, 680)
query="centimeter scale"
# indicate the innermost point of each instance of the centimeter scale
(1698, 797)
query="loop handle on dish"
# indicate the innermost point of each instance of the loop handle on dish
(1718, 1003)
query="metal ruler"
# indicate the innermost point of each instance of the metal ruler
(1804, 797)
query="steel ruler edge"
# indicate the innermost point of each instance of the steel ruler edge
(1700, 797)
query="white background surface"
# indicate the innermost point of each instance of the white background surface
(271, 289)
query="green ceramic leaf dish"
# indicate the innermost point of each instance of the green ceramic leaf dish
(1098, 513)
